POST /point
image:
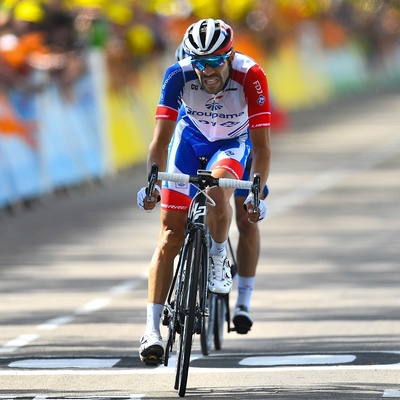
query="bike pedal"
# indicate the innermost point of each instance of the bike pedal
(153, 361)
(152, 356)
(197, 328)
(242, 324)
(242, 329)
(165, 318)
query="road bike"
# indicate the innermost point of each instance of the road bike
(186, 311)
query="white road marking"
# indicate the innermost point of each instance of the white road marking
(308, 359)
(125, 287)
(131, 396)
(56, 322)
(93, 305)
(391, 394)
(65, 363)
(18, 342)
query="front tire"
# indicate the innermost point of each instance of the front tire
(188, 311)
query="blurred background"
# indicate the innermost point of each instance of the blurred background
(80, 79)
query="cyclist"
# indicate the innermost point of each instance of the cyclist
(227, 116)
(248, 247)
(247, 254)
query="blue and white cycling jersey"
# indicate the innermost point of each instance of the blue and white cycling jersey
(242, 104)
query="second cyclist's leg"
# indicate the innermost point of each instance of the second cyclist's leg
(247, 255)
(160, 276)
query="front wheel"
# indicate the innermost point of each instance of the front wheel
(187, 311)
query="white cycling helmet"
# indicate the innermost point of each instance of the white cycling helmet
(180, 53)
(208, 36)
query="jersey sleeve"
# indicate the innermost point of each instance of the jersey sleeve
(171, 93)
(256, 92)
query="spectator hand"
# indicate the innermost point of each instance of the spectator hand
(142, 201)
(249, 207)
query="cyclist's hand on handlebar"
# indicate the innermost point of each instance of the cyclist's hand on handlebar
(142, 201)
(254, 217)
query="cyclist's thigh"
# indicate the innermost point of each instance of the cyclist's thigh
(182, 158)
(231, 156)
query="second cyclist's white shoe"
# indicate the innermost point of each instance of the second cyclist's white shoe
(220, 277)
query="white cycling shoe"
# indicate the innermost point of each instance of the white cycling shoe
(220, 277)
(151, 349)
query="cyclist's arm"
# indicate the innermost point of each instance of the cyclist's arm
(261, 154)
(166, 116)
(158, 151)
(256, 92)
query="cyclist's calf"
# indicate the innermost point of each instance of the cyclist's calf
(219, 220)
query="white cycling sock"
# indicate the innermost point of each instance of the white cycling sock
(154, 312)
(245, 290)
(218, 249)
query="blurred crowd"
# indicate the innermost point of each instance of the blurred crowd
(52, 36)
(79, 79)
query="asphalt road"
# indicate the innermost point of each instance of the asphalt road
(326, 304)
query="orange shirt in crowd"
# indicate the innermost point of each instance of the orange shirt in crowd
(18, 55)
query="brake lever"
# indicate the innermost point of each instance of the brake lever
(152, 179)
(256, 190)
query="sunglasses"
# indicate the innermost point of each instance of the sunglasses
(212, 62)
